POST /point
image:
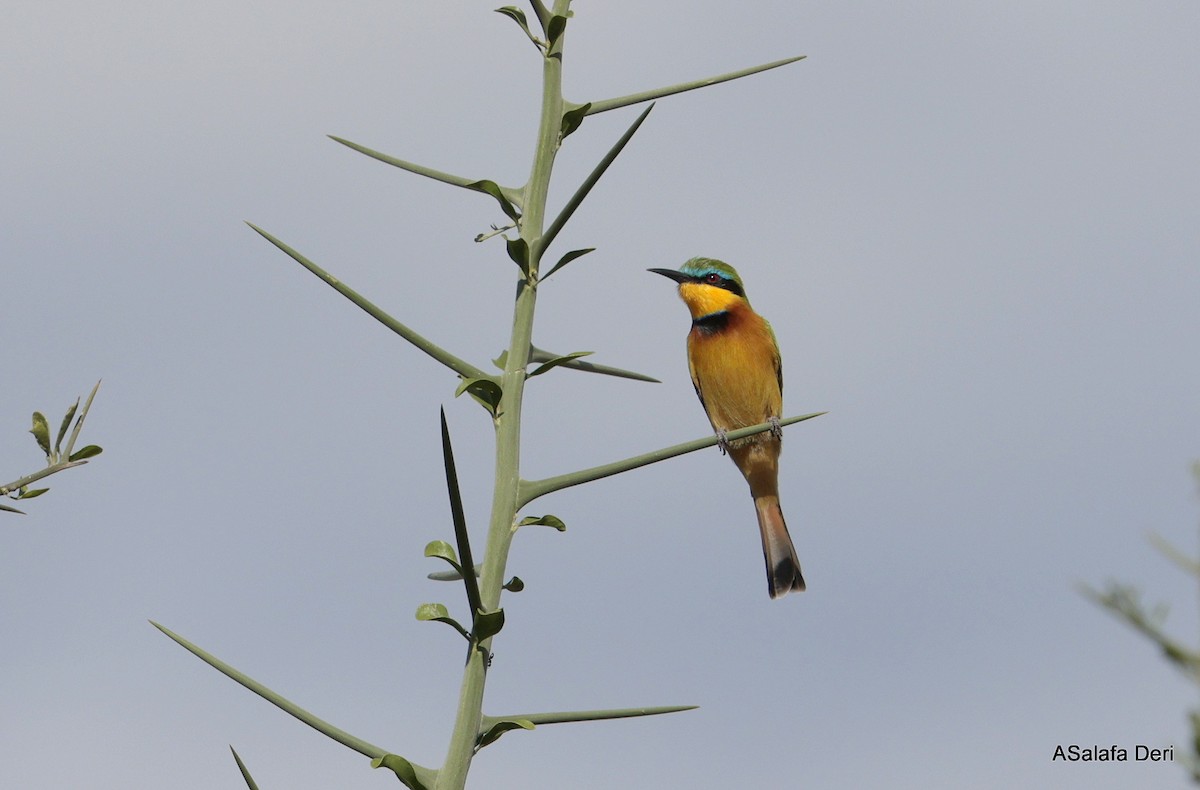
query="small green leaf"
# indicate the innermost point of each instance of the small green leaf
(558, 361)
(518, 250)
(494, 732)
(87, 452)
(516, 15)
(28, 493)
(405, 771)
(443, 550)
(492, 188)
(66, 423)
(439, 612)
(451, 576)
(485, 391)
(432, 611)
(543, 521)
(514, 584)
(8, 509)
(555, 28)
(41, 432)
(488, 624)
(564, 260)
(572, 119)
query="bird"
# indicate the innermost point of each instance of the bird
(734, 362)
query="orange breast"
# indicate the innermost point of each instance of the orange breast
(736, 371)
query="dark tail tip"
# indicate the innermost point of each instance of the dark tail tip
(785, 577)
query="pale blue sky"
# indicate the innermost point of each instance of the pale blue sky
(974, 227)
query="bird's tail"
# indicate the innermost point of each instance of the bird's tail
(783, 566)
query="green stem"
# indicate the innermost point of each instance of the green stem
(508, 197)
(15, 485)
(540, 355)
(507, 485)
(532, 489)
(605, 105)
(564, 717)
(461, 367)
(589, 182)
(412, 167)
(284, 704)
(59, 460)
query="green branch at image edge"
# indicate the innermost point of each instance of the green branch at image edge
(1124, 601)
(58, 457)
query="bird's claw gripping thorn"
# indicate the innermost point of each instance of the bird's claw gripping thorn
(776, 428)
(722, 442)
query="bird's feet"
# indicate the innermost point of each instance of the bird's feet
(722, 441)
(776, 428)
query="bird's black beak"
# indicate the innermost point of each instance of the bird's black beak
(678, 277)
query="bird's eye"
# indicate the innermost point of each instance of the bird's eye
(713, 277)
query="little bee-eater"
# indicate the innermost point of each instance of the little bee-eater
(734, 362)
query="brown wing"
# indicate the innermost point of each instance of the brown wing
(777, 359)
(692, 374)
(779, 369)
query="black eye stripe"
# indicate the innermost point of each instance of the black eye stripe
(732, 286)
